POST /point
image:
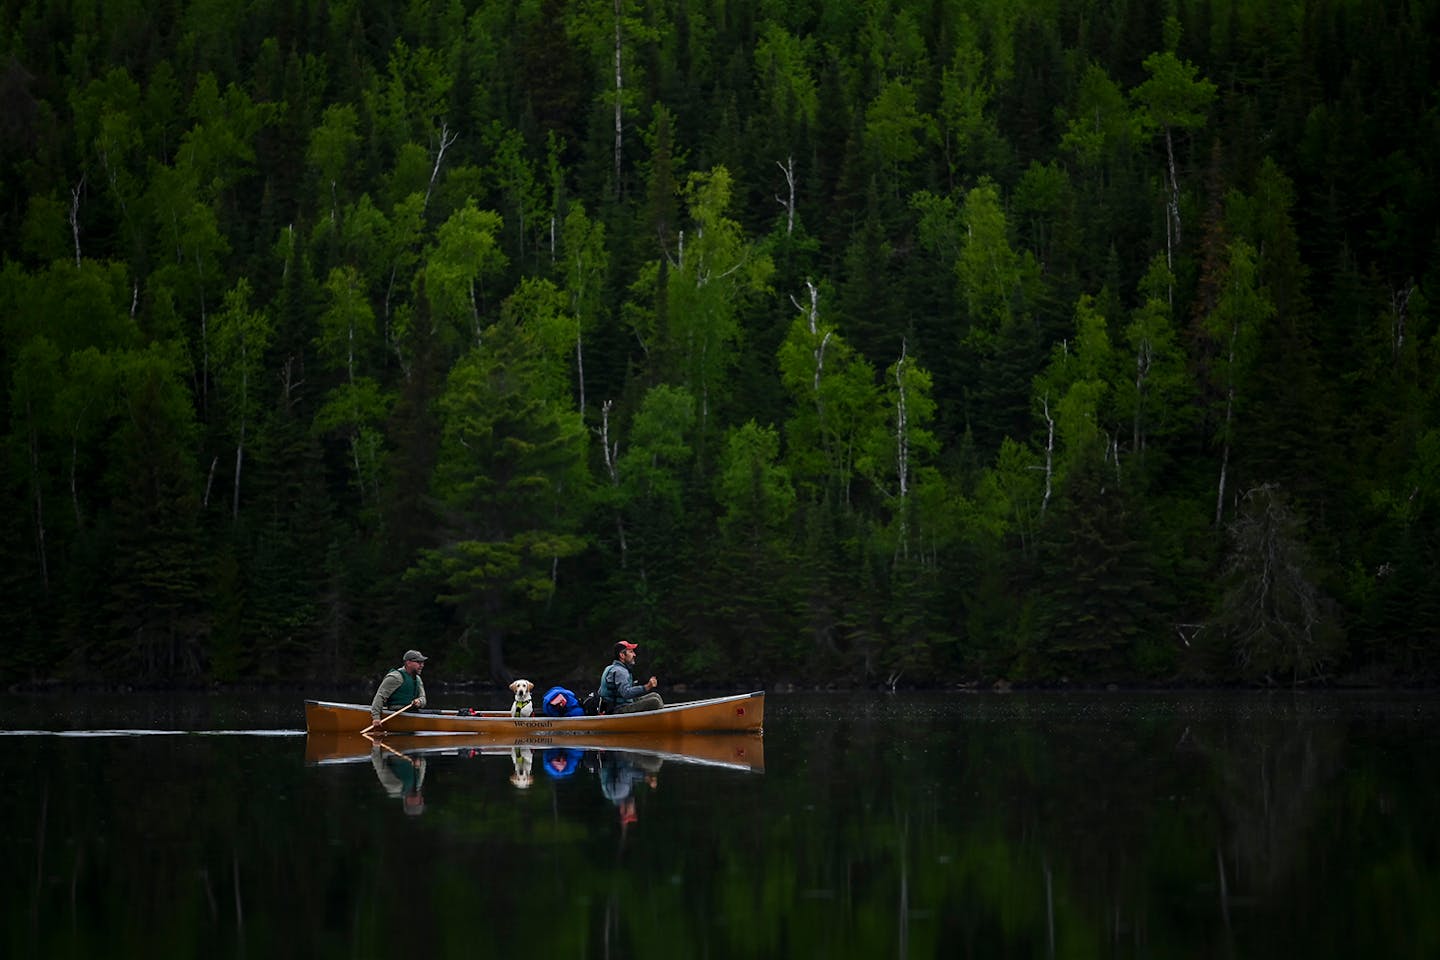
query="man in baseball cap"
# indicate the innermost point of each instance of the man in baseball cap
(619, 693)
(401, 686)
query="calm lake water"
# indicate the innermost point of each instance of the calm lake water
(1028, 825)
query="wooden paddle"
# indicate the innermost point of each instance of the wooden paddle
(386, 746)
(381, 721)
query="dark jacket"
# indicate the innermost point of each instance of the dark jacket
(617, 687)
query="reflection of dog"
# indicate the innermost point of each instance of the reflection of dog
(522, 707)
(523, 758)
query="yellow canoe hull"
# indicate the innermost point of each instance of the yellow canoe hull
(742, 713)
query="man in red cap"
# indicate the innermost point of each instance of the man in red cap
(619, 693)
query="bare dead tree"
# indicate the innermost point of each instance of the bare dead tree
(1399, 317)
(1049, 466)
(75, 193)
(1144, 358)
(209, 481)
(611, 452)
(812, 317)
(447, 139)
(788, 168)
(902, 450)
(1272, 612)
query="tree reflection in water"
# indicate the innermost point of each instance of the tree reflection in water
(917, 825)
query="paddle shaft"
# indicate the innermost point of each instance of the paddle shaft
(383, 744)
(381, 721)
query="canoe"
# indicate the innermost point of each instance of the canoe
(743, 713)
(736, 751)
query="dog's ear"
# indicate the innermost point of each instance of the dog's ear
(514, 685)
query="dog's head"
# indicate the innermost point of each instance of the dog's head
(522, 689)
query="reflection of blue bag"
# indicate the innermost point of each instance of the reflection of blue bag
(560, 702)
(561, 762)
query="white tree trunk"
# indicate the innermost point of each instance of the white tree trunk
(1399, 314)
(446, 139)
(1049, 453)
(902, 428)
(1229, 419)
(788, 168)
(1143, 358)
(610, 453)
(580, 364)
(902, 450)
(75, 216)
(1172, 216)
(204, 340)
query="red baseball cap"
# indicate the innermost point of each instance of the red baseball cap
(627, 645)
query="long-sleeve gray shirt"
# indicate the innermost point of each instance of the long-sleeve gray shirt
(389, 685)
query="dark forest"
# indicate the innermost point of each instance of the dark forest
(890, 343)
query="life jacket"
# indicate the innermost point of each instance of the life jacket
(610, 689)
(560, 702)
(408, 690)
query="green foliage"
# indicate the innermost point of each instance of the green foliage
(294, 302)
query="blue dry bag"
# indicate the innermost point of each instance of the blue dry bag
(560, 702)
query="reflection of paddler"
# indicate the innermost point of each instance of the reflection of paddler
(402, 777)
(561, 762)
(619, 773)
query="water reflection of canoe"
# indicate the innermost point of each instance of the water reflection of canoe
(744, 751)
(744, 713)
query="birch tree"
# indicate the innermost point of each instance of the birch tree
(465, 254)
(241, 336)
(587, 261)
(408, 102)
(1000, 352)
(1172, 100)
(191, 248)
(1073, 399)
(615, 31)
(901, 443)
(837, 406)
(356, 406)
(35, 377)
(332, 149)
(714, 270)
(1101, 126)
(108, 130)
(1235, 326)
(1157, 399)
(651, 470)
